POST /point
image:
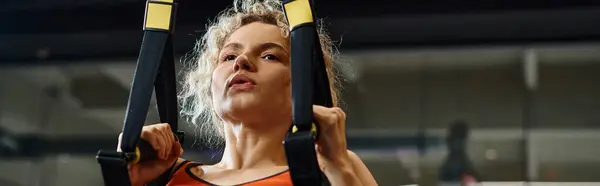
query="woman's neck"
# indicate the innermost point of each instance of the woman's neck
(254, 147)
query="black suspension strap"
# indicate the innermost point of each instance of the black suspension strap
(310, 85)
(155, 69)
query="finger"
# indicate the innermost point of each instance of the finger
(170, 137)
(151, 138)
(161, 142)
(164, 141)
(173, 156)
(340, 115)
(171, 141)
(177, 149)
(319, 112)
(165, 137)
(322, 116)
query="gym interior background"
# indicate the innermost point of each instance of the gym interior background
(523, 75)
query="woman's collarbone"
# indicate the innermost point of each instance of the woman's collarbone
(235, 177)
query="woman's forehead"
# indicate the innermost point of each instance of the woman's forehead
(258, 33)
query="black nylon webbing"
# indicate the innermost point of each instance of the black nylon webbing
(300, 145)
(310, 86)
(154, 67)
(166, 90)
(149, 60)
(155, 70)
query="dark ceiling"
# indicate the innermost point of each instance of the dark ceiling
(62, 16)
(65, 29)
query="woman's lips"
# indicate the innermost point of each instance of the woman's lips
(242, 86)
(241, 82)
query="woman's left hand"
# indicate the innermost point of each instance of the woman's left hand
(341, 166)
(332, 151)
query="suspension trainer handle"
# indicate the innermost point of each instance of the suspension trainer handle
(155, 69)
(310, 86)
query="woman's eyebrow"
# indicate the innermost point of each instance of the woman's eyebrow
(233, 45)
(270, 45)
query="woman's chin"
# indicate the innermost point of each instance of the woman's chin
(242, 103)
(248, 108)
(249, 113)
(241, 109)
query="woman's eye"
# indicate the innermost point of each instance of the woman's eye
(271, 57)
(229, 58)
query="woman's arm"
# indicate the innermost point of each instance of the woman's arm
(361, 171)
(351, 172)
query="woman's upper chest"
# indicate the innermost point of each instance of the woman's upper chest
(200, 175)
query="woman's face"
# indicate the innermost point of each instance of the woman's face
(251, 82)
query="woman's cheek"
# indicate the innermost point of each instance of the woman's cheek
(214, 87)
(287, 78)
(287, 85)
(218, 80)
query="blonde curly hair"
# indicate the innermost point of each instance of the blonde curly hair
(195, 97)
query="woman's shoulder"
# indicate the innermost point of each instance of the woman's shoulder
(183, 164)
(181, 167)
(181, 175)
(180, 163)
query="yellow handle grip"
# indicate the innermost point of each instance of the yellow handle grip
(298, 12)
(159, 15)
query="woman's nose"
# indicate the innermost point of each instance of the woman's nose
(242, 63)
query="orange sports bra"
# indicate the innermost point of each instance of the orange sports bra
(184, 177)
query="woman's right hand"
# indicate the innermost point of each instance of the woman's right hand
(169, 150)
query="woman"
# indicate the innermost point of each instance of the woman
(239, 90)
